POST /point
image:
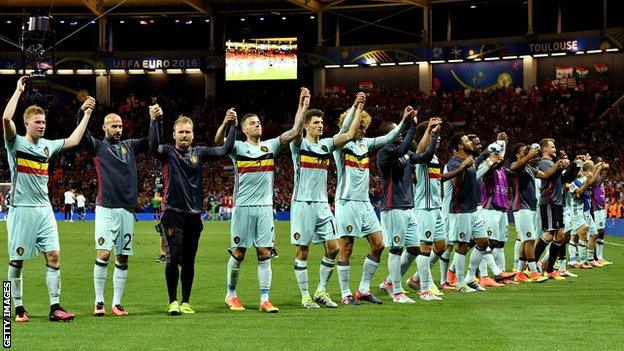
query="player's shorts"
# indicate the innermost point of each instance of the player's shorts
(356, 218)
(228, 210)
(538, 225)
(181, 235)
(81, 210)
(573, 220)
(252, 226)
(431, 225)
(496, 224)
(552, 217)
(311, 222)
(68, 208)
(465, 226)
(399, 228)
(31, 231)
(600, 217)
(114, 227)
(524, 221)
(593, 229)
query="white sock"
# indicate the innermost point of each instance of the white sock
(483, 271)
(444, 263)
(343, 278)
(264, 279)
(517, 247)
(233, 270)
(99, 279)
(15, 276)
(53, 281)
(424, 270)
(325, 271)
(521, 263)
(476, 256)
(394, 267)
(406, 261)
(301, 273)
(119, 282)
(572, 252)
(499, 258)
(368, 270)
(489, 259)
(532, 266)
(433, 258)
(600, 248)
(582, 249)
(460, 268)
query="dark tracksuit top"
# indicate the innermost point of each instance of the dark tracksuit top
(183, 188)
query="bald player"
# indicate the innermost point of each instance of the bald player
(116, 169)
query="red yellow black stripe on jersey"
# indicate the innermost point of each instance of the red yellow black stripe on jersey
(264, 163)
(31, 164)
(310, 159)
(355, 161)
(433, 169)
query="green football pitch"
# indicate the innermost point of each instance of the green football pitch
(583, 313)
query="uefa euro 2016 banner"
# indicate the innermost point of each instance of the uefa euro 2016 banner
(477, 75)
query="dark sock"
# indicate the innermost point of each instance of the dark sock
(172, 274)
(55, 307)
(562, 252)
(552, 256)
(539, 248)
(187, 274)
(19, 310)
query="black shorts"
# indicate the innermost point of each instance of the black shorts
(181, 232)
(68, 208)
(552, 217)
(81, 210)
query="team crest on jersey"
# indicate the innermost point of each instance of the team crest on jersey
(237, 240)
(362, 147)
(264, 148)
(124, 150)
(397, 239)
(489, 232)
(601, 224)
(297, 236)
(349, 228)
(427, 234)
(169, 231)
(20, 251)
(324, 148)
(528, 234)
(101, 241)
(194, 159)
(46, 151)
(462, 235)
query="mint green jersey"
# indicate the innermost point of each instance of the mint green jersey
(427, 185)
(311, 162)
(571, 201)
(255, 169)
(29, 163)
(352, 162)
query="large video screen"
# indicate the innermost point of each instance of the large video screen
(261, 59)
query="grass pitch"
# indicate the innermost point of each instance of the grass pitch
(575, 314)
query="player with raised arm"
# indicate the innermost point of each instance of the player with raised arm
(31, 224)
(355, 215)
(182, 201)
(116, 169)
(311, 219)
(252, 218)
(599, 213)
(398, 219)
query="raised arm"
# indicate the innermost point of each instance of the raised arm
(229, 121)
(7, 117)
(342, 138)
(87, 140)
(490, 164)
(385, 139)
(77, 135)
(226, 148)
(457, 175)
(297, 128)
(155, 139)
(428, 154)
(519, 165)
(424, 144)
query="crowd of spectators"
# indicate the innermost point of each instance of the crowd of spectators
(569, 116)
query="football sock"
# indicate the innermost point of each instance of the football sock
(325, 271)
(119, 282)
(368, 270)
(424, 270)
(15, 276)
(343, 278)
(301, 273)
(100, 272)
(264, 279)
(53, 281)
(233, 270)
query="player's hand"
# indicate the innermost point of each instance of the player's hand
(533, 153)
(407, 113)
(502, 136)
(231, 117)
(21, 84)
(468, 162)
(495, 158)
(360, 98)
(304, 98)
(435, 123)
(89, 103)
(155, 111)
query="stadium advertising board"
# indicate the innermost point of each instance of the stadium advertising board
(477, 75)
